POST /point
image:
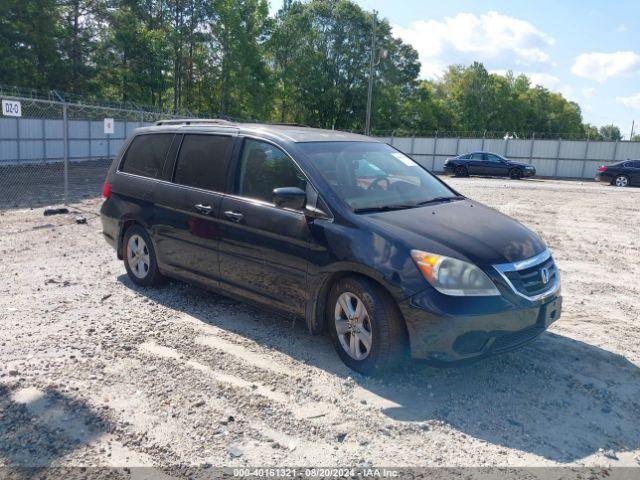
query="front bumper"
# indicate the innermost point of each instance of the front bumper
(529, 172)
(448, 169)
(461, 334)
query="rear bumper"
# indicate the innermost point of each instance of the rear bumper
(449, 339)
(110, 226)
(604, 178)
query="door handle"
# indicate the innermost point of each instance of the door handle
(234, 216)
(206, 209)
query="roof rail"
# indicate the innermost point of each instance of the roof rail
(285, 124)
(195, 121)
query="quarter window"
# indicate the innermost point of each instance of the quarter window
(146, 155)
(264, 167)
(203, 161)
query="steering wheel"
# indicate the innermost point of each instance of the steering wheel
(375, 185)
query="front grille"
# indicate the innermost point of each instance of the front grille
(509, 341)
(531, 278)
(530, 281)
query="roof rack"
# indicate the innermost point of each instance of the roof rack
(285, 124)
(195, 121)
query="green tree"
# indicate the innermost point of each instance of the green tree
(610, 132)
(30, 38)
(323, 78)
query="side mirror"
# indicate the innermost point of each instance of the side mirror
(289, 197)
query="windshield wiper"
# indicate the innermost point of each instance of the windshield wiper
(441, 199)
(384, 208)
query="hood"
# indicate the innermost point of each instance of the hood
(520, 164)
(462, 229)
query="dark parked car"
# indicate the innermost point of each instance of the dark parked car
(487, 164)
(621, 174)
(340, 229)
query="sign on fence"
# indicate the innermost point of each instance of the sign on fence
(11, 108)
(108, 126)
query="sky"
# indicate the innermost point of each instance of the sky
(587, 50)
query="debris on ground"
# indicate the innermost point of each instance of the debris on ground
(55, 211)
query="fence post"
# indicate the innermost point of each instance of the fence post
(413, 143)
(433, 157)
(18, 138)
(555, 170)
(90, 142)
(533, 141)
(586, 156)
(615, 151)
(458, 146)
(44, 140)
(65, 134)
(482, 145)
(141, 118)
(506, 146)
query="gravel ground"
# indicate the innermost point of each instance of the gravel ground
(97, 372)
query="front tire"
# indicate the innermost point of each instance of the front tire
(367, 329)
(461, 171)
(140, 257)
(515, 174)
(621, 181)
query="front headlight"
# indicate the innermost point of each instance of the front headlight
(452, 276)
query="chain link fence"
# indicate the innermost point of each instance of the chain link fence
(53, 151)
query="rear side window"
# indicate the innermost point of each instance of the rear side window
(477, 156)
(203, 161)
(146, 155)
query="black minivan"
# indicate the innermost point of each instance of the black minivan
(340, 229)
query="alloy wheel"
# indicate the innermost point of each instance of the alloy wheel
(622, 181)
(138, 256)
(353, 326)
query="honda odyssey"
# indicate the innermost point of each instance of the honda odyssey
(340, 229)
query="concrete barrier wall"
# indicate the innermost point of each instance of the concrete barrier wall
(28, 140)
(552, 158)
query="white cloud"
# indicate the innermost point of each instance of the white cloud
(588, 92)
(601, 66)
(632, 101)
(499, 41)
(545, 80)
(622, 28)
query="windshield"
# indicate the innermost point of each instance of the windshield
(369, 175)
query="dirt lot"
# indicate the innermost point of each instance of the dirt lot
(94, 371)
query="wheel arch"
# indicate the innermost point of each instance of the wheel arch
(316, 308)
(126, 224)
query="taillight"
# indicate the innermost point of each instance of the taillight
(602, 168)
(106, 190)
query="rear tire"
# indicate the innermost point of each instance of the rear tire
(461, 171)
(373, 338)
(621, 181)
(140, 257)
(515, 174)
